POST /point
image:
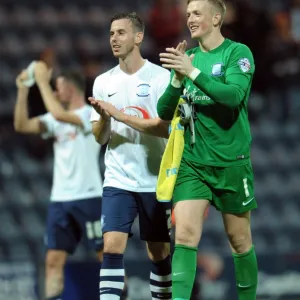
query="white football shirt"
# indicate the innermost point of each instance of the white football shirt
(76, 158)
(132, 158)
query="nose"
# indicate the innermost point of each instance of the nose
(190, 20)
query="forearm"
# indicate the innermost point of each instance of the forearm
(21, 110)
(167, 103)
(52, 104)
(155, 127)
(225, 94)
(102, 131)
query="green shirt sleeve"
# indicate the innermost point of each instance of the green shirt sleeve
(238, 77)
(167, 103)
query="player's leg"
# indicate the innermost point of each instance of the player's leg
(238, 230)
(155, 226)
(189, 215)
(61, 240)
(54, 281)
(236, 202)
(119, 210)
(190, 204)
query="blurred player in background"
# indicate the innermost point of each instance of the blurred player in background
(215, 168)
(75, 208)
(125, 116)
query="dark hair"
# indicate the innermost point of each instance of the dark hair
(75, 77)
(136, 21)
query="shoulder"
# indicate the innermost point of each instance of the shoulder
(102, 79)
(158, 70)
(239, 48)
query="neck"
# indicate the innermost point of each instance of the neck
(76, 102)
(211, 41)
(132, 62)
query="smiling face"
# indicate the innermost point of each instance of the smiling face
(124, 38)
(202, 18)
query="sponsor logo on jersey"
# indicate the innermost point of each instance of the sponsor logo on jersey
(143, 90)
(136, 111)
(244, 64)
(217, 69)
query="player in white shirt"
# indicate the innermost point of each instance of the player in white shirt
(134, 133)
(75, 208)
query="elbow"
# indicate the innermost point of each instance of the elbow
(100, 139)
(18, 127)
(234, 104)
(164, 115)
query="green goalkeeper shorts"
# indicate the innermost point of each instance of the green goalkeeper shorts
(229, 189)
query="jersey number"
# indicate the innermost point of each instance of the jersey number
(93, 230)
(246, 187)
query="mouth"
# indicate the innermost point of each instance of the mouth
(193, 28)
(116, 47)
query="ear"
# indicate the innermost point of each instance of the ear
(139, 37)
(217, 19)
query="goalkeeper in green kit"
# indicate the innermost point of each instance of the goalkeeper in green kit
(215, 168)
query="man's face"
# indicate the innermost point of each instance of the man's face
(63, 89)
(199, 19)
(122, 38)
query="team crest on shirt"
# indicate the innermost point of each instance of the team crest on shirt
(244, 64)
(143, 90)
(217, 69)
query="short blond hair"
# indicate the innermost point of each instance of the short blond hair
(218, 4)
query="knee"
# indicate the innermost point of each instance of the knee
(158, 251)
(115, 242)
(239, 242)
(187, 235)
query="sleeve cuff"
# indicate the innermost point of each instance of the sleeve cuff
(194, 74)
(176, 83)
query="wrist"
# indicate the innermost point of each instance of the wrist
(193, 74)
(23, 89)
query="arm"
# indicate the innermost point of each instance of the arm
(22, 123)
(238, 76)
(167, 103)
(51, 102)
(155, 127)
(230, 93)
(101, 131)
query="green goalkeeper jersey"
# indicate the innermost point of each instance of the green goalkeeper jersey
(220, 96)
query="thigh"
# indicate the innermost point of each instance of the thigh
(154, 218)
(191, 183)
(119, 209)
(87, 214)
(62, 232)
(234, 192)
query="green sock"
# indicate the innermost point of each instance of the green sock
(184, 265)
(246, 274)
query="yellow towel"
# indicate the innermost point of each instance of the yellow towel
(171, 159)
